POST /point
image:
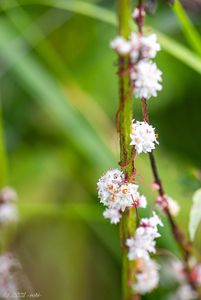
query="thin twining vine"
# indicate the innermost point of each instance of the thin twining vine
(184, 244)
(118, 190)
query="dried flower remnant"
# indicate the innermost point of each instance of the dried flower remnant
(117, 194)
(143, 137)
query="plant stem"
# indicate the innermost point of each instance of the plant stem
(128, 221)
(184, 245)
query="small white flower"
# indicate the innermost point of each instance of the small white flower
(177, 270)
(173, 206)
(143, 241)
(153, 222)
(121, 45)
(8, 213)
(143, 137)
(150, 46)
(147, 277)
(140, 246)
(143, 47)
(146, 77)
(112, 214)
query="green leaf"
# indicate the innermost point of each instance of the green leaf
(33, 34)
(191, 34)
(175, 49)
(195, 214)
(180, 52)
(80, 7)
(36, 80)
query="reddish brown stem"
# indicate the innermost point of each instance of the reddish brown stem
(183, 243)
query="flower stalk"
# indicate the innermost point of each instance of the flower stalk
(128, 221)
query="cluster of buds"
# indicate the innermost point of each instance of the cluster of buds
(139, 249)
(8, 209)
(116, 195)
(145, 75)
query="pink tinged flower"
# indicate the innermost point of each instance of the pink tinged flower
(140, 201)
(146, 78)
(155, 186)
(143, 137)
(161, 202)
(137, 13)
(166, 201)
(196, 274)
(112, 214)
(153, 222)
(121, 45)
(8, 194)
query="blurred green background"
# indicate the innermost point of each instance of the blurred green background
(59, 95)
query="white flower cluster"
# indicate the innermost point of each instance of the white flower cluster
(147, 277)
(173, 205)
(144, 73)
(12, 278)
(138, 47)
(117, 194)
(143, 137)
(185, 291)
(139, 248)
(146, 77)
(8, 209)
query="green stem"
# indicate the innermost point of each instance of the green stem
(128, 221)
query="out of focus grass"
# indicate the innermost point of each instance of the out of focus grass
(59, 97)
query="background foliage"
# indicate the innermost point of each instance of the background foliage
(59, 97)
